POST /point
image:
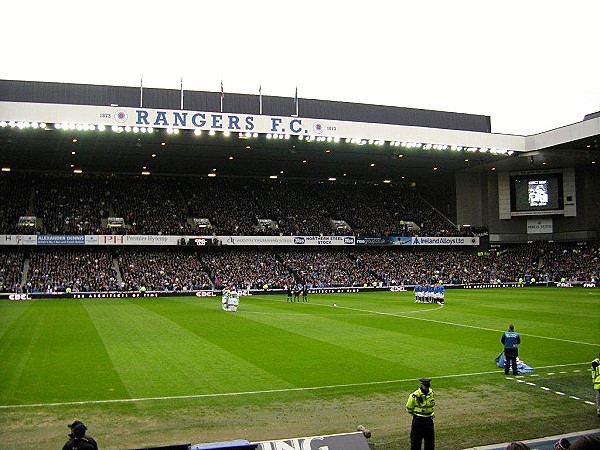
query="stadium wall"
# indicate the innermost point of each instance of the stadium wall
(469, 199)
(589, 191)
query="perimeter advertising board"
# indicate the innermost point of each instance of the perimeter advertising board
(346, 441)
(240, 241)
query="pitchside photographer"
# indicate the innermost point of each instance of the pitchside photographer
(78, 440)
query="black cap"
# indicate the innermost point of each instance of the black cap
(75, 423)
(78, 429)
(426, 381)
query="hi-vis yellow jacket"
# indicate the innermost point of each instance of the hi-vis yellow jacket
(420, 404)
(596, 373)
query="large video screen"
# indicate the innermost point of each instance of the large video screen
(536, 194)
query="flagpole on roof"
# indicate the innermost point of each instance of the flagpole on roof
(181, 92)
(260, 99)
(222, 95)
(296, 100)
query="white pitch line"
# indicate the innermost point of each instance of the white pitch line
(238, 394)
(462, 325)
(404, 316)
(548, 389)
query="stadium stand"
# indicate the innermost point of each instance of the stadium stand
(11, 273)
(181, 269)
(247, 269)
(76, 270)
(168, 270)
(77, 205)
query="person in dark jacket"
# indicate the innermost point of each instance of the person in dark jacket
(511, 341)
(78, 440)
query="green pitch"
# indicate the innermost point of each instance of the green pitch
(143, 372)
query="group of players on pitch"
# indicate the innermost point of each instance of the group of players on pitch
(430, 293)
(294, 293)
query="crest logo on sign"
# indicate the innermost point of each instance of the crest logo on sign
(121, 116)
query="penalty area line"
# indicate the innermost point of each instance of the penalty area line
(238, 394)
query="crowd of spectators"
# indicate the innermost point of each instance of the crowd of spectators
(15, 192)
(81, 204)
(320, 269)
(179, 269)
(11, 271)
(63, 270)
(247, 269)
(150, 206)
(542, 261)
(69, 205)
(167, 270)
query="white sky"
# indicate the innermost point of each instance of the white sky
(530, 65)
